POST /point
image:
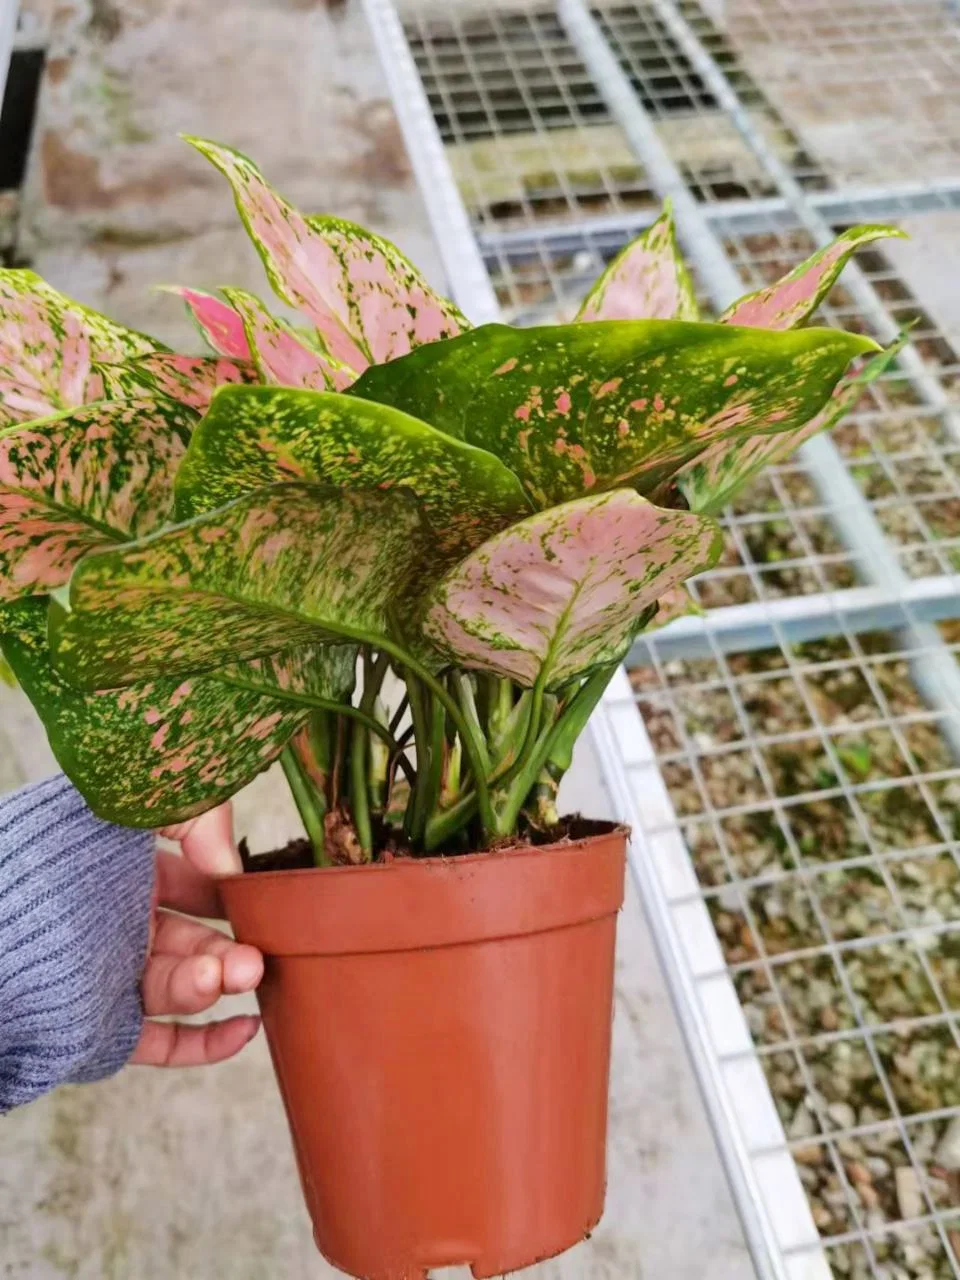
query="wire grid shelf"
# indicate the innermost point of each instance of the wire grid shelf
(789, 766)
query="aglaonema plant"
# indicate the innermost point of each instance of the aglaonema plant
(400, 554)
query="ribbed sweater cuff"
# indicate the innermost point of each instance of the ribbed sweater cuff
(75, 897)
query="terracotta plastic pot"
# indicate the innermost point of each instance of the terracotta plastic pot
(440, 1029)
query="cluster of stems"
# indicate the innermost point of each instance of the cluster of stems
(463, 760)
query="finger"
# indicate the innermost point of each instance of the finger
(242, 965)
(175, 984)
(169, 1044)
(180, 886)
(207, 842)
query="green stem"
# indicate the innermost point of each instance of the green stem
(434, 779)
(468, 704)
(416, 815)
(399, 713)
(373, 674)
(326, 704)
(488, 818)
(501, 703)
(558, 738)
(530, 735)
(447, 822)
(309, 802)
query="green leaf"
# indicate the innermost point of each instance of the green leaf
(566, 589)
(87, 478)
(648, 280)
(796, 297)
(368, 301)
(168, 749)
(284, 567)
(574, 408)
(257, 436)
(53, 351)
(712, 480)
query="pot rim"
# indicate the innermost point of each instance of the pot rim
(429, 902)
(447, 861)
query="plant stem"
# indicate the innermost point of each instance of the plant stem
(416, 815)
(557, 739)
(373, 674)
(434, 772)
(488, 818)
(447, 822)
(310, 804)
(501, 704)
(319, 704)
(474, 755)
(531, 732)
(470, 714)
(399, 713)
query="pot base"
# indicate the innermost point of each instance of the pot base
(481, 1268)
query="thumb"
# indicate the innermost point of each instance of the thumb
(207, 842)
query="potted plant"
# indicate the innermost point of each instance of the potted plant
(404, 557)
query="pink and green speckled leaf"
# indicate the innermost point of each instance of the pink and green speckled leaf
(87, 478)
(390, 306)
(648, 280)
(368, 302)
(795, 298)
(675, 603)
(191, 380)
(257, 436)
(168, 749)
(286, 567)
(566, 589)
(220, 325)
(712, 480)
(53, 350)
(591, 407)
(284, 356)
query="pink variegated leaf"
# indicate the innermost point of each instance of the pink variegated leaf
(390, 307)
(795, 298)
(648, 280)
(220, 325)
(712, 480)
(284, 357)
(167, 749)
(191, 380)
(368, 302)
(53, 350)
(566, 589)
(91, 477)
(675, 603)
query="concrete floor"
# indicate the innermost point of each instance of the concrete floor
(189, 1175)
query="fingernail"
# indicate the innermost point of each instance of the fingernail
(207, 974)
(252, 1027)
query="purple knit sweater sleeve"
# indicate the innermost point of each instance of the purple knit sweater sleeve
(74, 924)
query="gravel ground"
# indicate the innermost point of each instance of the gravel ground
(814, 790)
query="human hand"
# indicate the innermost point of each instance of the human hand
(189, 965)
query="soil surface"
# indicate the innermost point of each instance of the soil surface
(297, 855)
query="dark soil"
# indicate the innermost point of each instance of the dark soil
(297, 854)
